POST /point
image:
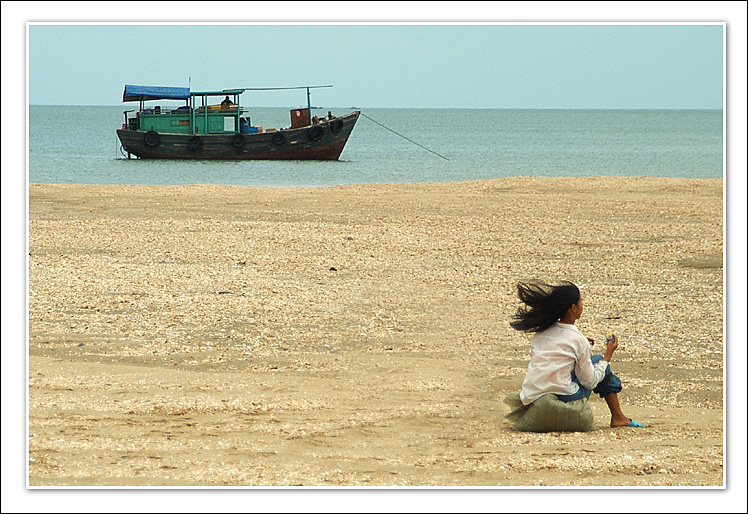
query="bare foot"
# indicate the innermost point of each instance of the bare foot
(627, 422)
(620, 422)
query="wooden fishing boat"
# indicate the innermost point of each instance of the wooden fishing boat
(223, 131)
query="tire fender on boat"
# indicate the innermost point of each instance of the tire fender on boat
(194, 143)
(278, 138)
(237, 140)
(315, 133)
(151, 138)
(336, 125)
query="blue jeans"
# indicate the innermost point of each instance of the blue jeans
(609, 384)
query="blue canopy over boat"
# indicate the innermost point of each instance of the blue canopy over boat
(133, 93)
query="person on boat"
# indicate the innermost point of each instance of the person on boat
(561, 360)
(226, 104)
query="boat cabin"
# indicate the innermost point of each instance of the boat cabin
(197, 116)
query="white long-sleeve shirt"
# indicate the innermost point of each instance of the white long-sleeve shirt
(555, 352)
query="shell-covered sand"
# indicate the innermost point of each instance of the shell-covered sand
(359, 336)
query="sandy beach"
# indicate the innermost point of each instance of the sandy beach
(359, 335)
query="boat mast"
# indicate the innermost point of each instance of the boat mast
(308, 92)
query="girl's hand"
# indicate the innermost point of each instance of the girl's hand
(610, 348)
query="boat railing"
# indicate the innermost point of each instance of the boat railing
(186, 109)
(219, 108)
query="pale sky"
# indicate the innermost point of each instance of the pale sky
(552, 66)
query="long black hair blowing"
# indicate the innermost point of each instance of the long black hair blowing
(544, 304)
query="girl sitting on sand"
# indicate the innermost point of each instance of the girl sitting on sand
(561, 360)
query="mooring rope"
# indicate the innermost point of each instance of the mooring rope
(402, 136)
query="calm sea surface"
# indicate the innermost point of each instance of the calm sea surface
(79, 145)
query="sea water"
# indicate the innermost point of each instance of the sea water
(74, 144)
